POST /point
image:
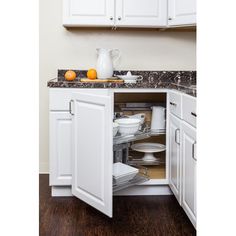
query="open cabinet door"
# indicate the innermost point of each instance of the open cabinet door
(92, 150)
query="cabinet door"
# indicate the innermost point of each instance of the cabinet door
(174, 156)
(92, 151)
(60, 148)
(141, 13)
(88, 12)
(182, 12)
(189, 171)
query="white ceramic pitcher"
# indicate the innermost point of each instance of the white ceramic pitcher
(105, 62)
(158, 122)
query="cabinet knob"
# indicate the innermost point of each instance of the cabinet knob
(169, 18)
(111, 18)
(119, 18)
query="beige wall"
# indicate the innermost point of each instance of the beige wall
(75, 48)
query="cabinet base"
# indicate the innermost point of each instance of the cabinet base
(65, 191)
(144, 190)
(61, 191)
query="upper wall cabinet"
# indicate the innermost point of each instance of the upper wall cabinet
(181, 12)
(88, 12)
(129, 13)
(141, 13)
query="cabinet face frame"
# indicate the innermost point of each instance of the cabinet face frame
(153, 91)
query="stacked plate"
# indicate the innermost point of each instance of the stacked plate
(123, 173)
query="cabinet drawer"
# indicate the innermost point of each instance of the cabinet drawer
(59, 98)
(175, 104)
(189, 109)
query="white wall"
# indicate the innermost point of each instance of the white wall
(75, 48)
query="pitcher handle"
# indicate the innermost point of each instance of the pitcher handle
(116, 56)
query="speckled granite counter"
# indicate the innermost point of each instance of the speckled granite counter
(184, 81)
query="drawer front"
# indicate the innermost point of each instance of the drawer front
(189, 110)
(59, 98)
(175, 104)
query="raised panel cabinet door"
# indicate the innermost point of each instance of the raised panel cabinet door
(174, 156)
(189, 171)
(60, 148)
(88, 12)
(92, 150)
(181, 12)
(141, 13)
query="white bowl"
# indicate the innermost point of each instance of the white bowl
(128, 126)
(123, 172)
(128, 121)
(140, 116)
(115, 128)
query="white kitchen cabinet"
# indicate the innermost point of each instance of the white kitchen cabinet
(141, 13)
(60, 148)
(181, 12)
(93, 150)
(129, 13)
(175, 156)
(189, 171)
(82, 151)
(88, 12)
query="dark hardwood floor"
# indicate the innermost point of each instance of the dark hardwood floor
(133, 216)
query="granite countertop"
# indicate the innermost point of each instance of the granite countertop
(184, 81)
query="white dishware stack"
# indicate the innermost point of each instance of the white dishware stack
(128, 126)
(123, 172)
(158, 123)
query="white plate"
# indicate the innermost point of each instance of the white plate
(148, 147)
(123, 172)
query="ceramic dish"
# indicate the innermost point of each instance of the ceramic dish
(148, 149)
(128, 126)
(129, 78)
(123, 173)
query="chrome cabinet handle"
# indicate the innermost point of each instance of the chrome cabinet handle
(176, 136)
(173, 104)
(70, 107)
(193, 114)
(111, 18)
(119, 18)
(193, 151)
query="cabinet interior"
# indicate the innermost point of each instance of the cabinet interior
(126, 104)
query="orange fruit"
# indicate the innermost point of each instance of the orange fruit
(70, 75)
(92, 74)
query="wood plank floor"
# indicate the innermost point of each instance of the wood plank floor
(133, 216)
